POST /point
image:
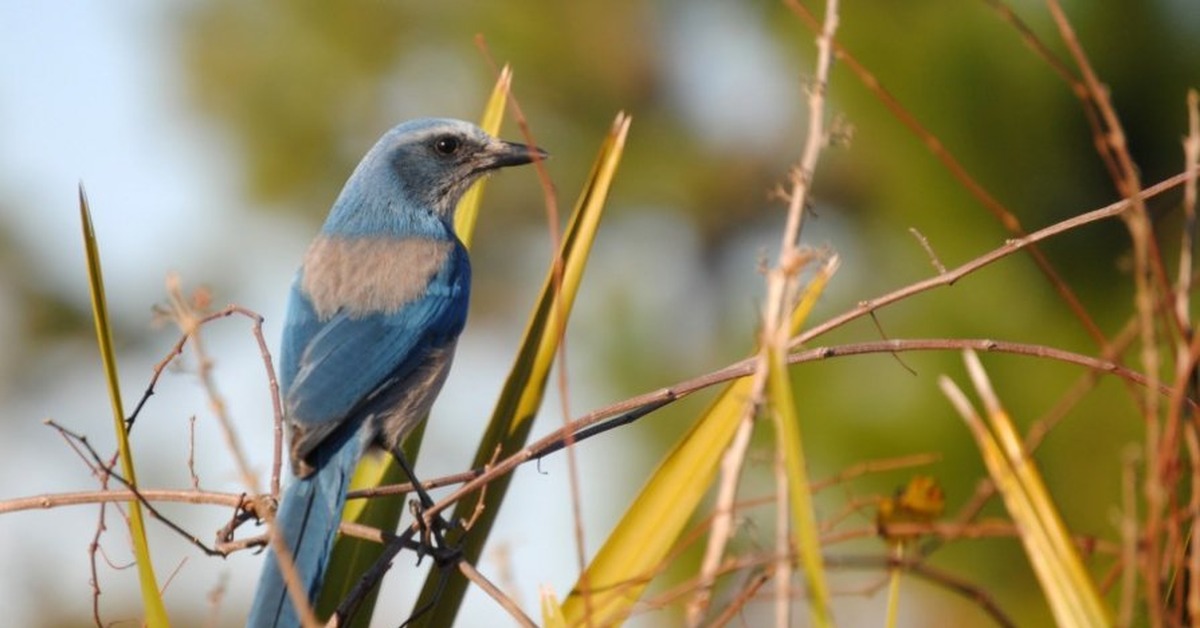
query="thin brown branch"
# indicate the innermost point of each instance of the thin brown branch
(1129, 539)
(937, 577)
(1148, 273)
(854, 506)
(393, 544)
(781, 568)
(496, 594)
(553, 227)
(746, 367)
(761, 562)
(924, 242)
(171, 576)
(190, 321)
(1193, 514)
(954, 531)
(1191, 151)
(1044, 424)
(297, 593)
(187, 314)
(980, 344)
(721, 528)
(137, 494)
(1087, 381)
(407, 487)
(1113, 133)
(191, 455)
(1008, 248)
(1149, 267)
(1006, 217)
(783, 290)
(1181, 387)
(216, 598)
(876, 466)
(883, 335)
(255, 542)
(1033, 41)
(475, 479)
(47, 501)
(745, 594)
(1078, 88)
(783, 295)
(1040, 428)
(93, 550)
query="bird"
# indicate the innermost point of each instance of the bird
(373, 317)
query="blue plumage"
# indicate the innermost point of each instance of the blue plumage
(372, 321)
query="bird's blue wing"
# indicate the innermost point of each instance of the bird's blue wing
(301, 324)
(331, 367)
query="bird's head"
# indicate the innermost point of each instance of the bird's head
(422, 166)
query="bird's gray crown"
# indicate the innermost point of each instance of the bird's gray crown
(412, 179)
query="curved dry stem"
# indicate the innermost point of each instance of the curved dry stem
(614, 413)
(47, 501)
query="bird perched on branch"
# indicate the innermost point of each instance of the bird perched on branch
(372, 321)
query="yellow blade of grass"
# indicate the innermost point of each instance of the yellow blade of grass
(522, 394)
(352, 557)
(156, 611)
(1069, 590)
(493, 114)
(552, 616)
(805, 534)
(633, 553)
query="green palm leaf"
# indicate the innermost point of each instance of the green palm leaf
(634, 552)
(523, 391)
(156, 611)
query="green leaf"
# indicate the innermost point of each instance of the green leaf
(633, 553)
(804, 518)
(522, 394)
(493, 114)
(1071, 592)
(156, 611)
(552, 616)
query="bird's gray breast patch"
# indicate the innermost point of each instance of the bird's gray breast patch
(370, 275)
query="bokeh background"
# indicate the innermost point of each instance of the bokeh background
(213, 136)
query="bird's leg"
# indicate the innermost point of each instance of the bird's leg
(432, 541)
(426, 500)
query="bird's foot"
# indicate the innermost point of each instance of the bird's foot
(432, 534)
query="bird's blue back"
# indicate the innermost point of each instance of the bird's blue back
(334, 359)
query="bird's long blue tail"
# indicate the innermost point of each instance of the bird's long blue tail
(308, 518)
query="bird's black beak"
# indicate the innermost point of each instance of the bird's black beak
(502, 154)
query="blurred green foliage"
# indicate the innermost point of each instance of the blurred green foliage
(302, 87)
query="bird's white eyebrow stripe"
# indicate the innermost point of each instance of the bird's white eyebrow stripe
(417, 137)
(369, 275)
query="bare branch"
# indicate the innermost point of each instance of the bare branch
(1008, 248)
(495, 593)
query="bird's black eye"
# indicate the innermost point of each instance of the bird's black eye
(447, 145)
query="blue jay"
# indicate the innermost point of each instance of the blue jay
(372, 321)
